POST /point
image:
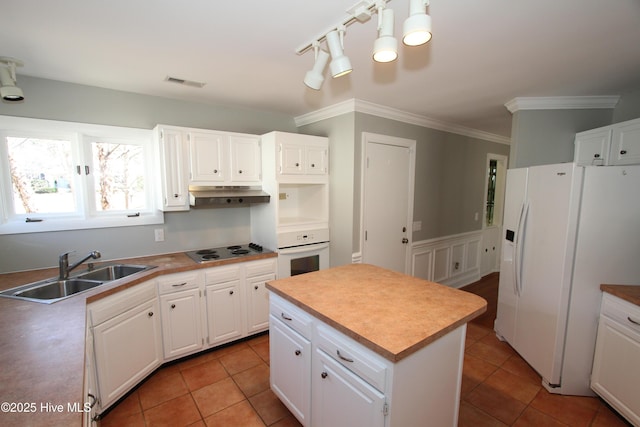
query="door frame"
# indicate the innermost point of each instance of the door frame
(368, 137)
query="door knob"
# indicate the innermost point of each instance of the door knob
(405, 240)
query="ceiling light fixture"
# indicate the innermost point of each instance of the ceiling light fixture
(8, 89)
(340, 64)
(314, 77)
(417, 27)
(385, 48)
(417, 30)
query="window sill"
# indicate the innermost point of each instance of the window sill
(20, 226)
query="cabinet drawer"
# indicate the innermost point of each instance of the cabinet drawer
(353, 356)
(222, 274)
(290, 315)
(178, 282)
(116, 304)
(258, 268)
(621, 311)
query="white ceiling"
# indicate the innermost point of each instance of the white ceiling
(483, 53)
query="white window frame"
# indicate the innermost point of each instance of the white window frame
(86, 216)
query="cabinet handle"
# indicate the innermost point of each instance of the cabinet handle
(176, 195)
(346, 359)
(298, 352)
(324, 374)
(635, 322)
(230, 292)
(94, 400)
(150, 314)
(240, 171)
(179, 285)
(285, 317)
(173, 306)
(623, 152)
(313, 165)
(297, 164)
(256, 287)
(215, 171)
(596, 156)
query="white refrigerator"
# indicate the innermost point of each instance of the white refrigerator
(567, 229)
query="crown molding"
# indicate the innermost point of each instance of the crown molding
(562, 103)
(357, 105)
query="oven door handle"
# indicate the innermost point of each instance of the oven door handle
(302, 249)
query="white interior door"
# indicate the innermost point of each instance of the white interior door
(387, 213)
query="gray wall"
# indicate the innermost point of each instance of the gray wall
(546, 136)
(47, 99)
(449, 180)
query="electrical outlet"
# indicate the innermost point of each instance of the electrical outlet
(159, 233)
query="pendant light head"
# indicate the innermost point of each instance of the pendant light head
(385, 48)
(314, 77)
(8, 89)
(417, 27)
(340, 64)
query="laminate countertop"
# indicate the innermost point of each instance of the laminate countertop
(393, 314)
(630, 293)
(42, 346)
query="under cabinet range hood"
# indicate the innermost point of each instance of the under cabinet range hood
(223, 197)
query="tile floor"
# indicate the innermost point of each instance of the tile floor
(230, 387)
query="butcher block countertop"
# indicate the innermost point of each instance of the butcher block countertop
(42, 346)
(630, 293)
(393, 314)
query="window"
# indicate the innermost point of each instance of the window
(494, 190)
(60, 176)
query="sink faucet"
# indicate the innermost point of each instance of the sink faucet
(64, 267)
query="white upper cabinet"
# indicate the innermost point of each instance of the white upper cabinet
(617, 144)
(298, 158)
(173, 159)
(218, 158)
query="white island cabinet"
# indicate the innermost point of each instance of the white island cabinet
(385, 349)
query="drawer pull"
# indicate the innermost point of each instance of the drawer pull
(285, 317)
(298, 352)
(346, 359)
(635, 322)
(179, 285)
(324, 374)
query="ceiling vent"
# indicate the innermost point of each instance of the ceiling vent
(184, 82)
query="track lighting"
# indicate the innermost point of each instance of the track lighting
(417, 27)
(385, 48)
(8, 89)
(340, 64)
(314, 77)
(417, 31)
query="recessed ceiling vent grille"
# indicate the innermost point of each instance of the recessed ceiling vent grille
(184, 82)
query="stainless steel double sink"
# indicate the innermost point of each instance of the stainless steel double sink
(51, 290)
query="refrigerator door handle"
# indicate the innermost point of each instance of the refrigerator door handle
(520, 237)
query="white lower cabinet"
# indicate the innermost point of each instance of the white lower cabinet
(257, 297)
(224, 315)
(341, 398)
(180, 306)
(616, 365)
(351, 385)
(290, 369)
(127, 340)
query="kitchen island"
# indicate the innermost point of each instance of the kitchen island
(359, 345)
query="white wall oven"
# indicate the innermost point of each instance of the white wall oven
(302, 252)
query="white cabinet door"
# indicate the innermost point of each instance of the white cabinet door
(207, 154)
(291, 159)
(127, 348)
(257, 297)
(592, 147)
(341, 398)
(290, 369)
(224, 312)
(616, 374)
(625, 144)
(174, 168)
(246, 159)
(181, 323)
(316, 162)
